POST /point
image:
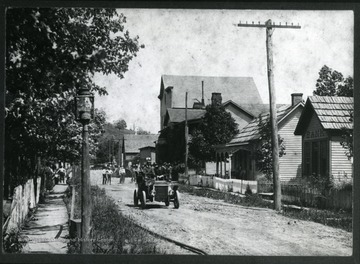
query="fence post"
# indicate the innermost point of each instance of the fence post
(72, 201)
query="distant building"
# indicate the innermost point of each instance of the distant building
(147, 154)
(321, 128)
(132, 145)
(236, 159)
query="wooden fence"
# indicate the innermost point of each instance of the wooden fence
(226, 185)
(310, 197)
(24, 199)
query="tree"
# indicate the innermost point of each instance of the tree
(51, 53)
(332, 83)
(346, 88)
(120, 124)
(216, 127)
(348, 141)
(263, 150)
(141, 131)
(328, 81)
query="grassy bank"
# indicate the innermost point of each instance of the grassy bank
(112, 233)
(337, 219)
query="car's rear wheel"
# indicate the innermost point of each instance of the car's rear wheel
(136, 198)
(143, 200)
(176, 200)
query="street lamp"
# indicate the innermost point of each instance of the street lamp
(84, 112)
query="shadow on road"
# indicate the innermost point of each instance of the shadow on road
(149, 206)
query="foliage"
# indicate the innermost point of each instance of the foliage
(216, 127)
(346, 88)
(332, 83)
(12, 242)
(109, 142)
(120, 124)
(337, 219)
(322, 183)
(264, 150)
(248, 190)
(328, 81)
(348, 140)
(120, 235)
(51, 53)
(141, 131)
(253, 200)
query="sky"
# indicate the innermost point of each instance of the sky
(206, 43)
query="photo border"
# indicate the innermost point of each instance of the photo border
(173, 259)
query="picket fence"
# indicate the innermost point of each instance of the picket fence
(24, 199)
(227, 185)
(310, 197)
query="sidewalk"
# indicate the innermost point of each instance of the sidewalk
(46, 232)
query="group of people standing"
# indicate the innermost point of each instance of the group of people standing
(153, 171)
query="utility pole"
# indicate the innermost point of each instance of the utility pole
(272, 96)
(186, 139)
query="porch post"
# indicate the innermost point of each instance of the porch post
(217, 164)
(225, 166)
(230, 156)
(221, 170)
(253, 164)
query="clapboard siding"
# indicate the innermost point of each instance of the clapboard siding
(290, 163)
(341, 166)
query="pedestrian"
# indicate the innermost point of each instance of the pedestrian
(110, 172)
(104, 174)
(61, 171)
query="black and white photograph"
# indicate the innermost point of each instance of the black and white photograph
(175, 131)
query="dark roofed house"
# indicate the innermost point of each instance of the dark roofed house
(239, 90)
(147, 154)
(133, 143)
(320, 126)
(236, 159)
(231, 92)
(177, 115)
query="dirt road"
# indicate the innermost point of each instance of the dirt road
(220, 228)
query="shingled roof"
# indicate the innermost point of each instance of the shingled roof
(134, 142)
(241, 90)
(176, 115)
(251, 130)
(333, 112)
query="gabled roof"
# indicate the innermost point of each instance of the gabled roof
(231, 102)
(251, 130)
(177, 115)
(134, 142)
(333, 112)
(240, 90)
(146, 147)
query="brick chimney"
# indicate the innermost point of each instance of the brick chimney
(216, 98)
(296, 98)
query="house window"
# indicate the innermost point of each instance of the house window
(316, 157)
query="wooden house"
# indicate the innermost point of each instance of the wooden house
(239, 90)
(236, 159)
(239, 95)
(321, 127)
(132, 144)
(147, 154)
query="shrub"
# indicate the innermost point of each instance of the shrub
(12, 242)
(248, 190)
(113, 233)
(339, 219)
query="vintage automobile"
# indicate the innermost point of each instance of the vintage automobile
(156, 188)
